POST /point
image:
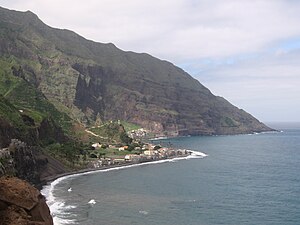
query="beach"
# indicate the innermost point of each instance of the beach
(56, 205)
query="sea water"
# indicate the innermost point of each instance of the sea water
(244, 179)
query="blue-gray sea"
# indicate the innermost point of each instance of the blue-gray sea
(244, 179)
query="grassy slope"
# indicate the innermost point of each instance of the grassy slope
(9, 113)
(26, 97)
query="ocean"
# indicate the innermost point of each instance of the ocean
(241, 179)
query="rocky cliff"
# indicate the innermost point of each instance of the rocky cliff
(23, 133)
(28, 163)
(22, 204)
(90, 81)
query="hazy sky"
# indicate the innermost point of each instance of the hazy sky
(246, 51)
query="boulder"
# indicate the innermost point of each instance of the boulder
(18, 192)
(21, 203)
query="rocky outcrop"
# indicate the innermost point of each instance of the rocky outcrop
(24, 161)
(90, 90)
(28, 163)
(7, 132)
(22, 204)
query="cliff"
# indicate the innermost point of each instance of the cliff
(22, 204)
(24, 133)
(28, 163)
(90, 81)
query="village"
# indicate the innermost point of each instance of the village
(146, 153)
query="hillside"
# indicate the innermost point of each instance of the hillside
(91, 82)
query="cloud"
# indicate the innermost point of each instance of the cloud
(176, 30)
(268, 87)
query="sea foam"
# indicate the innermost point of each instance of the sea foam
(92, 202)
(57, 207)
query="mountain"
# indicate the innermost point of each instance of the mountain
(91, 81)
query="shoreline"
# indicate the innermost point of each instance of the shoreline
(161, 138)
(56, 205)
(48, 180)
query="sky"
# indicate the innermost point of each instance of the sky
(245, 51)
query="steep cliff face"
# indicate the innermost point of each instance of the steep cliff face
(22, 204)
(90, 80)
(7, 132)
(21, 159)
(164, 108)
(91, 89)
(28, 163)
(24, 161)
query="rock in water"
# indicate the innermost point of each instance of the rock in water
(21, 203)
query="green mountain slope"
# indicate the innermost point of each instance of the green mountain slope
(92, 81)
(26, 114)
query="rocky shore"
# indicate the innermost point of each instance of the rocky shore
(28, 163)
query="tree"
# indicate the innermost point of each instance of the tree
(156, 147)
(125, 139)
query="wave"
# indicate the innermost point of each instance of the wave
(168, 137)
(92, 202)
(158, 138)
(264, 132)
(60, 214)
(59, 209)
(196, 155)
(143, 212)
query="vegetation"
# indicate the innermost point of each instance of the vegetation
(10, 113)
(112, 132)
(112, 152)
(129, 126)
(69, 153)
(228, 122)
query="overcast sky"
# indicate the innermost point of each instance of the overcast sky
(246, 51)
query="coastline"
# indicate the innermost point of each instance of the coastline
(56, 206)
(215, 135)
(193, 176)
(50, 179)
(47, 180)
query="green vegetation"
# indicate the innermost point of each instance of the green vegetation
(10, 113)
(69, 153)
(112, 152)
(111, 132)
(125, 139)
(130, 126)
(25, 110)
(27, 98)
(228, 122)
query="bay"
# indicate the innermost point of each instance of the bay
(245, 179)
